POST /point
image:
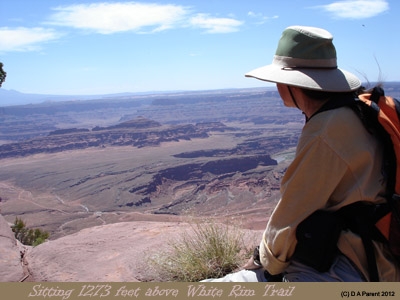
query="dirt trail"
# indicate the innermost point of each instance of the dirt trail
(31, 200)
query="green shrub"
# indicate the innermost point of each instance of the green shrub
(31, 237)
(3, 74)
(209, 250)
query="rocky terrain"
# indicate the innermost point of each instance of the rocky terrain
(67, 191)
(18, 123)
(101, 175)
(77, 177)
(140, 132)
(107, 253)
(11, 266)
(112, 179)
(258, 106)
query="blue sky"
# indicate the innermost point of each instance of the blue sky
(98, 47)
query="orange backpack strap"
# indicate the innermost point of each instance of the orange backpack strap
(388, 115)
(383, 225)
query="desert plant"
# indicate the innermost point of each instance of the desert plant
(31, 237)
(208, 250)
(3, 74)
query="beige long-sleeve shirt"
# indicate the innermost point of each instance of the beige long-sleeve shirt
(337, 163)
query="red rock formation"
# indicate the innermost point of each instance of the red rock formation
(11, 268)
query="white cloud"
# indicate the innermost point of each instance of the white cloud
(215, 25)
(260, 18)
(107, 18)
(356, 9)
(24, 39)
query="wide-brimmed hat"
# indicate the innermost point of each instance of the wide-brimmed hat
(306, 58)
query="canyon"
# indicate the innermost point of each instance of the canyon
(139, 168)
(212, 153)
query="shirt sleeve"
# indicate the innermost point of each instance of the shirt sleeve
(306, 187)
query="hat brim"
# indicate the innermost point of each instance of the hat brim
(330, 80)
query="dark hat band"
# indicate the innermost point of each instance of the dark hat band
(290, 62)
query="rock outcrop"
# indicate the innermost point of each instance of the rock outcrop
(108, 253)
(114, 252)
(139, 133)
(11, 267)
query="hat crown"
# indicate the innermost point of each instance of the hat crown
(309, 47)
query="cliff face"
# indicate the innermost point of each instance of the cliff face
(105, 253)
(71, 190)
(186, 184)
(139, 133)
(11, 265)
(108, 253)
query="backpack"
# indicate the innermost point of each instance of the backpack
(386, 110)
(317, 244)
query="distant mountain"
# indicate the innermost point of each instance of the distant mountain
(13, 98)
